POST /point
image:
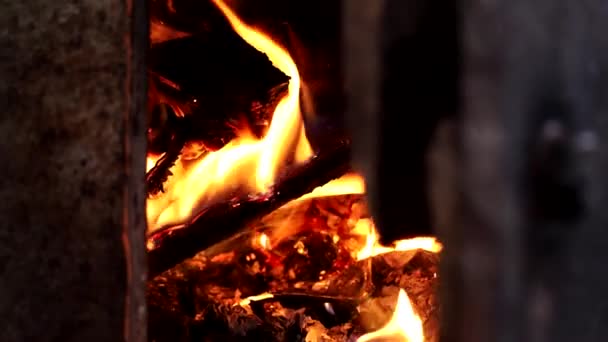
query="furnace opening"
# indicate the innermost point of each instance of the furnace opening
(258, 225)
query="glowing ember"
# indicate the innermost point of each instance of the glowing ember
(405, 325)
(151, 161)
(245, 162)
(255, 298)
(262, 241)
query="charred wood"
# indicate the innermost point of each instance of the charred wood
(205, 89)
(191, 16)
(160, 173)
(183, 304)
(220, 221)
(213, 82)
(215, 280)
(219, 277)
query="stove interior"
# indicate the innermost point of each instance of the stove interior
(258, 224)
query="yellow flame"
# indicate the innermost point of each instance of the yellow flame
(284, 122)
(245, 161)
(151, 161)
(372, 247)
(248, 300)
(347, 184)
(405, 325)
(262, 240)
(354, 184)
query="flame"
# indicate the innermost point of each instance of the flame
(151, 161)
(262, 241)
(372, 247)
(405, 325)
(354, 184)
(248, 300)
(245, 162)
(347, 184)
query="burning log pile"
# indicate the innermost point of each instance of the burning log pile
(252, 234)
(204, 90)
(171, 246)
(303, 259)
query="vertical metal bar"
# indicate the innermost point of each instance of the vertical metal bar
(579, 305)
(361, 50)
(69, 73)
(507, 66)
(134, 224)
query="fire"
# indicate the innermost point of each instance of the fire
(151, 161)
(262, 241)
(347, 184)
(245, 162)
(372, 247)
(248, 300)
(251, 164)
(355, 184)
(404, 326)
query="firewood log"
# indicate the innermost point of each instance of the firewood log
(170, 246)
(204, 88)
(213, 81)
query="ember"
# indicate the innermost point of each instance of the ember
(254, 235)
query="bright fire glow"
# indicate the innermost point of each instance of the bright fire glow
(405, 325)
(355, 184)
(262, 241)
(245, 162)
(373, 247)
(347, 184)
(248, 300)
(151, 161)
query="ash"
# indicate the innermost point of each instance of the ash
(318, 294)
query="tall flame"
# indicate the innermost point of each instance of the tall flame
(245, 161)
(405, 325)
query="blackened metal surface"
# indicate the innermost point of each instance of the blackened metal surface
(362, 62)
(65, 94)
(532, 228)
(483, 261)
(578, 290)
(520, 195)
(134, 224)
(401, 80)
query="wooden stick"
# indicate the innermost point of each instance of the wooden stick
(168, 247)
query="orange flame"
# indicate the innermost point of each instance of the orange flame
(151, 161)
(262, 241)
(245, 161)
(355, 184)
(405, 325)
(347, 184)
(372, 247)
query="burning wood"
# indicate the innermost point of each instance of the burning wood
(222, 220)
(205, 90)
(211, 82)
(246, 162)
(305, 241)
(248, 265)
